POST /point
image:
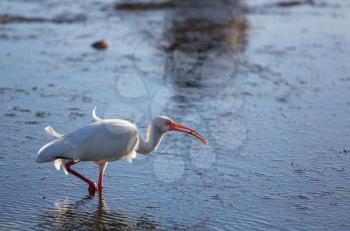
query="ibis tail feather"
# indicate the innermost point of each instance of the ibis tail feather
(94, 116)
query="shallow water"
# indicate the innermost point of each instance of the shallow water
(267, 84)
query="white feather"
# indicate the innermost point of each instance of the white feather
(132, 155)
(58, 163)
(61, 163)
(64, 166)
(94, 116)
(108, 140)
(133, 142)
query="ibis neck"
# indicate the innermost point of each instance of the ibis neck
(154, 137)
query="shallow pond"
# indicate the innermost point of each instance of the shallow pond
(268, 84)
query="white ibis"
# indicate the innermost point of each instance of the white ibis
(106, 140)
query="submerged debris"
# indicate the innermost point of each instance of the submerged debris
(303, 197)
(100, 45)
(4, 90)
(64, 18)
(4, 19)
(144, 5)
(291, 3)
(42, 114)
(31, 122)
(87, 99)
(16, 19)
(20, 109)
(10, 114)
(74, 114)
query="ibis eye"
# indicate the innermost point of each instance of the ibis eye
(167, 122)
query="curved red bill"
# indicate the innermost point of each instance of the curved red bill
(182, 128)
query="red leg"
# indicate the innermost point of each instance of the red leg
(92, 185)
(102, 167)
(100, 182)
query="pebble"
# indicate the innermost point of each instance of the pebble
(100, 45)
(42, 114)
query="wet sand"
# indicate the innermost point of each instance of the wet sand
(266, 82)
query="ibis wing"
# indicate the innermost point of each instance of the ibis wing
(76, 138)
(66, 144)
(114, 140)
(112, 127)
(77, 144)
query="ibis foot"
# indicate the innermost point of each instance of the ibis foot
(92, 188)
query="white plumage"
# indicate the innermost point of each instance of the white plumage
(101, 140)
(105, 140)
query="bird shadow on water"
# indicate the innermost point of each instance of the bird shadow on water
(85, 215)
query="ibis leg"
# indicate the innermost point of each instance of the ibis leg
(102, 167)
(92, 185)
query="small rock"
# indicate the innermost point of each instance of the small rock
(75, 114)
(42, 114)
(144, 5)
(79, 114)
(19, 109)
(100, 45)
(10, 114)
(303, 196)
(68, 18)
(21, 90)
(4, 89)
(282, 99)
(18, 19)
(31, 122)
(291, 3)
(87, 99)
(151, 206)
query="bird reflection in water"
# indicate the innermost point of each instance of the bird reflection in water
(205, 45)
(205, 38)
(83, 216)
(195, 32)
